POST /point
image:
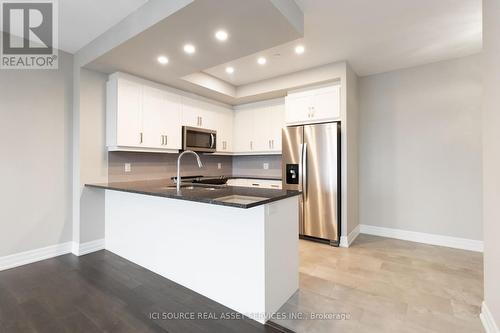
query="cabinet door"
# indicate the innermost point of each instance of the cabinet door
(171, 121)
(326, 104)
(268, 124)
(298, 108)
(161, 119)
(243, 131)
(207, 113)
(129, 114)
(153, 102)
(224, 128)
(190, 112)
(277, 121)
(263, 124)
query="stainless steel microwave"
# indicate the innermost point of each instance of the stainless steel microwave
(199, 139)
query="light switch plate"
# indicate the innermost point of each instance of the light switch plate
(265, 166)
(219, 165)
(128, 167)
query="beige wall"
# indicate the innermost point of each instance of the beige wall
(93, 153)
(35, 141)
(420, 149)
(491, 156)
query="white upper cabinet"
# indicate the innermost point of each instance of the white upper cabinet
(313, 105)
(257, 128)
(243, 130)
(161, 119)
(197, 113)
(141, 117)
(224, 128)
(128, 113)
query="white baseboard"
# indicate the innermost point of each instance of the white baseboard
(420, 237)
(80, 249)
(346, 241)
(487, 319)
(28, 257)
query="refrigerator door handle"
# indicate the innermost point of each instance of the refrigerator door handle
(304, 169)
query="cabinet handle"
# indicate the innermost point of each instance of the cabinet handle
(201, 121)
(270, 144)
(162, 140)
(140, 138)
(166, 139)
(251, 145)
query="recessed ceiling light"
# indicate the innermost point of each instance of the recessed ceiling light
(261, 61)
(229, 70)
(299, 49)
(189, 48)
(163, 60)
(221, 35)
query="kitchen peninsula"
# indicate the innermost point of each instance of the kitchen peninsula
(227, 243)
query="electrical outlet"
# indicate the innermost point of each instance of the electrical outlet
(128, 167)
(219, 165)
(265, 166)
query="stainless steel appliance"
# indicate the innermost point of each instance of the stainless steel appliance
(311, 164)
(199, 139)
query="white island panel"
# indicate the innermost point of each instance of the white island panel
(245, 259)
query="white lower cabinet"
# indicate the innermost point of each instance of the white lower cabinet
(256, 183)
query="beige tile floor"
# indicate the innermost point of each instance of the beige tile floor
(387, 285)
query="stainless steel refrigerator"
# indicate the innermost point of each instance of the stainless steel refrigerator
(311, 164)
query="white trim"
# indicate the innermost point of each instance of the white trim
(487, 319)
(31, 256)
(88, 247)
(346, 241)
(28, 257)
(420, 237)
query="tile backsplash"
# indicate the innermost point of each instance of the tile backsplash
(254, 165)
(148, 166)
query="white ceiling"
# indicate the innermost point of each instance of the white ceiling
(81, 21)
(373, 36)
(196, 23)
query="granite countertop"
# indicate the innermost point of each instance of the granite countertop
(216, 195)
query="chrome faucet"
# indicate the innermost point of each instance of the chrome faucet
(178, 179)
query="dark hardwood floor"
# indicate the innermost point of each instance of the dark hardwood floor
(101, 292)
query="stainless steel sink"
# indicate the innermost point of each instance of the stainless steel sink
(240, 199)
